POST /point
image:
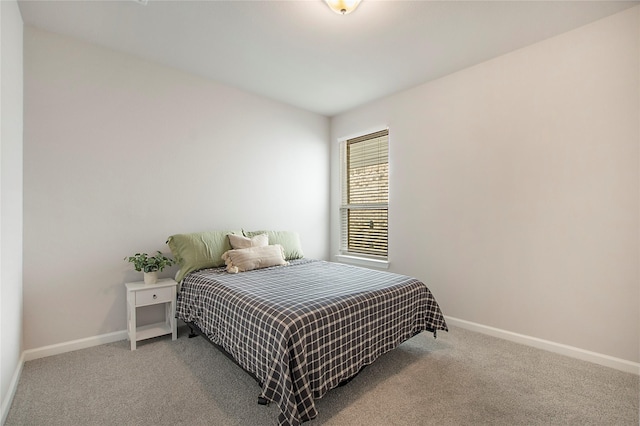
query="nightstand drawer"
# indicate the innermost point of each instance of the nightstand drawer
(154, 295)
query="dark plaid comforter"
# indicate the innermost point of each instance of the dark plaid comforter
(304, 328)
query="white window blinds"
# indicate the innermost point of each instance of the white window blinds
(365, 195)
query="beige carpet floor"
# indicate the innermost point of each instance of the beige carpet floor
(460, 378)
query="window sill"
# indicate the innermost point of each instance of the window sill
(363, 261)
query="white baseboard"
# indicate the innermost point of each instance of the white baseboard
(74, 345)
(559, 348)
(8, 398)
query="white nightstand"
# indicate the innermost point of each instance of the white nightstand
(141, 294)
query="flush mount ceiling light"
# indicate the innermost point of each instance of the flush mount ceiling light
(343, 7)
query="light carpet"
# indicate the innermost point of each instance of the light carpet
(460, 378)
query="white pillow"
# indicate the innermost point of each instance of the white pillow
(242, 242)
(247, 259)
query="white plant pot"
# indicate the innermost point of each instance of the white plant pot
(151, 277)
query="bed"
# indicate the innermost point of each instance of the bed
(305, 326)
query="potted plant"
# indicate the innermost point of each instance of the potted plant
(150, 265)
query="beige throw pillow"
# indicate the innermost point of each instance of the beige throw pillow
(242, 242)
(247, 259)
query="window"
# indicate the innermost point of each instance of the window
(365, 196)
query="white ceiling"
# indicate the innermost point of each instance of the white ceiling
(301, 53)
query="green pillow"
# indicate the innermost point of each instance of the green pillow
(290, 241)
(199, 250)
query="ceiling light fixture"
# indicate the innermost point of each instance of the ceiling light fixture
(343, 7)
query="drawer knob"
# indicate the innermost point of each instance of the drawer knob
(155, 297)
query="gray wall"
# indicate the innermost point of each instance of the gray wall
(514, 187)
(120, 153)
(11, 123)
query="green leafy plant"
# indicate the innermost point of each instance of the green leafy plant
(142, 262)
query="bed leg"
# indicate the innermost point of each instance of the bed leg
(262, 400)
(192, 333)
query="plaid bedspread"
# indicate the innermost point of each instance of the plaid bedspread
(304, 328)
